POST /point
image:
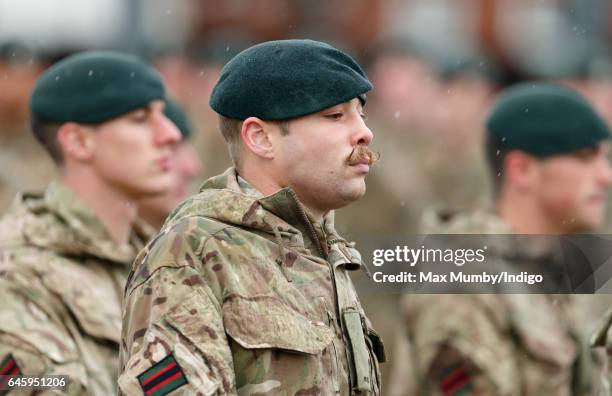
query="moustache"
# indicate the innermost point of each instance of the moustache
(362, 153)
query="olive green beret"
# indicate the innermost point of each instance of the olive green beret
(94, 86)
(544, 119)
(278, 80)
(176, 114)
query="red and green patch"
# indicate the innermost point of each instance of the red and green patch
(457, 381)
(164, 377)
(9, 368)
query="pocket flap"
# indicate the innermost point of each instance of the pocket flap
(266, 322)
(97, 309)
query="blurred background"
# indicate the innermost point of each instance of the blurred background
(435, 66)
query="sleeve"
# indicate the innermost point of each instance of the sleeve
(33, 342)
(173, 336)
(458, 348)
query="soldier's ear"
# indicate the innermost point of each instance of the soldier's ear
(75, 141)
(255, 135)
(520, 170)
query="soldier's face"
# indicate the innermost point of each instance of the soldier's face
(573, 188)
(133, 152)
(318, 158)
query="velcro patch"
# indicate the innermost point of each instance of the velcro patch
(162, 378)
(457, 381)
(8, 367)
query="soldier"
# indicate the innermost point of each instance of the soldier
(185, 166)
(602, 337)
(547, 150)
(65, 252)
(247, 289)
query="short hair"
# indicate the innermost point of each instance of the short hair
(46, 134)
(496, 157)
(231, 128)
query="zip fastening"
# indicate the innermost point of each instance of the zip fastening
(311, 229)
(332, 275)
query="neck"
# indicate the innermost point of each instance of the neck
(524, 215)
(115, 210)
(151, 219)
(266, 185)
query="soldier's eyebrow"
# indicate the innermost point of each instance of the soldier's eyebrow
(588, 152)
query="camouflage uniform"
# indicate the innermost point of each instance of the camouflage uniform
(61, 291)
(245, 294)
(503, 344)
(603, 338)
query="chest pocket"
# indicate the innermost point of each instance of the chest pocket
(548, 367)
(275, 349)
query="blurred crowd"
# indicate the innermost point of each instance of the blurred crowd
(436, 65)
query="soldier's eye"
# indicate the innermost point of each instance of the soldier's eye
(139, 116)
(335, 116)
(364, 117)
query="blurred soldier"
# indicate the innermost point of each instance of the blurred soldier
(185, 167)
(547, 149)
(603, 338)
(65, 252)
(247, 288)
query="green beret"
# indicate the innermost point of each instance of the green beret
(94, 86)
(176, 114)
(278, 80)
(544, 119)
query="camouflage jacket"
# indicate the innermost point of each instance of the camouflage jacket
(602, 337)
(61, 287)
(244, 294)
(503, 344)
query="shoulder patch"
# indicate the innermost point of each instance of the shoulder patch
(456, 380)
(162, 378)
(9, 368)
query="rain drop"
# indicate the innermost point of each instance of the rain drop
(90, 73)
(396, 114)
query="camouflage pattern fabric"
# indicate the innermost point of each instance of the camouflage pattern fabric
(602, 337)
(61, 289)
(249, 296)
(485, 344)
